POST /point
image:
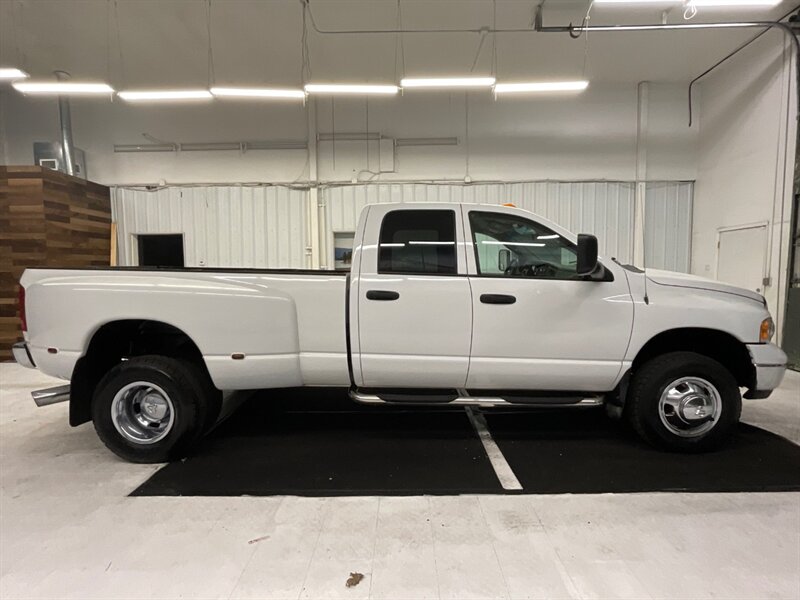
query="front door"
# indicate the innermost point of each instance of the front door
(537, 324)
(414, 305)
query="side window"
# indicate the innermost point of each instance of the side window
(418, 242)
(511, 246)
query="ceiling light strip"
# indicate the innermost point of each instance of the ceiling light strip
(735, 3)
(745, 25)
(697, 3)
(447, 82)
(12, 73)
(540, 86)
(353, 89)
(148, 95)
(61, 87)
(258, 93)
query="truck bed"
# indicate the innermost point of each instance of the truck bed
(289, 324)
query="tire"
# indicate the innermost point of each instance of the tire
(683, 402)
(177, 397)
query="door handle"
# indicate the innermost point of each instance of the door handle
(498, 299)
(382, 295)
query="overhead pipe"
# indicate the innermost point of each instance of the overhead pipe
(742, 47)
(65, 121)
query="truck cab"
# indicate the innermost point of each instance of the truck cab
(483, 298)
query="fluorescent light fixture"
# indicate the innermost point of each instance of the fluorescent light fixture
(702, 3)
(670, 26)
(540, 86)
(339, 88)
(134, 96)
(12, 73)
(697, 3)
(447, 82)
(61, 87)
(257, 93)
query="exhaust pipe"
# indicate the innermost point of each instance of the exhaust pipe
(51, 395)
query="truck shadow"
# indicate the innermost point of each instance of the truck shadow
(317, 442)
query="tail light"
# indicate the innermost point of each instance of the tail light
(21, 300)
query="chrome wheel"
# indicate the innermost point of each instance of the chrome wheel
(142, 412)
(690, 407)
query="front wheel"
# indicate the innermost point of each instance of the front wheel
(151, 409)
(683, 401)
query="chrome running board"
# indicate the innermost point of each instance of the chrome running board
(50, 396)
(363, 398)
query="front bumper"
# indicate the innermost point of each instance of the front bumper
(770, 366)
(22, 355)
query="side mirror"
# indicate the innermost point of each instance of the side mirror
(503, 259)
(587, 254)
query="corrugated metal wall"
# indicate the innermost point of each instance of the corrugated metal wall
(602, 208)
(232, 226)
(668, 225)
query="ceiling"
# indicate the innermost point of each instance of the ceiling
(149, 43)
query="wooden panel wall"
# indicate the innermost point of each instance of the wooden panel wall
(46, 219)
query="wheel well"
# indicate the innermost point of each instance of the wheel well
(116, 341)
(715, 344)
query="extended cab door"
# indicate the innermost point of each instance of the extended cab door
(537, 324)
(414, 310)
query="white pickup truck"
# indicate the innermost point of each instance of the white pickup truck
(445, 303)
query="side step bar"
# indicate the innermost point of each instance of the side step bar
(462, 400)
(50, 396)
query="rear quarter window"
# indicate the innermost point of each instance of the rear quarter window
(418, 242)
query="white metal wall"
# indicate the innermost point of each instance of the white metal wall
(269, 226)
(668, 225)
(601, 208)
(233, 226)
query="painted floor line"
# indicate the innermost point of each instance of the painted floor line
(499, 463)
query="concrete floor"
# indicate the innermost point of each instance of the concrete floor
(69, 530)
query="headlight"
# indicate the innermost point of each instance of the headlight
(767, 330)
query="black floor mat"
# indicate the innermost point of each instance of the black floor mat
(582, 451)
(319, 443)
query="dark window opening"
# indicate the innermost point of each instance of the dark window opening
(161, 250)
(418, 242)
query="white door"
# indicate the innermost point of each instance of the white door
(537, 324)
(741, 256)
(414, 304)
